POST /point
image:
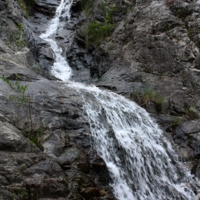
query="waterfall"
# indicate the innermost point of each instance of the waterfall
(139, 158)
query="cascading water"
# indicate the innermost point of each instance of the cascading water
(125, 136)
(65, 72)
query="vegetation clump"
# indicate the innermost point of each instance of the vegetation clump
(148, 95)
(87, 7)
(96, 31)
(154, 96)
(26, 6)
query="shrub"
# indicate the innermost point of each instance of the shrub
(96, 32)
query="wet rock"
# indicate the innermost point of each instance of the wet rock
(47, 7)
(2, 5)
(41, 50)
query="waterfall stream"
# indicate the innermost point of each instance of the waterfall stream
(140, 160)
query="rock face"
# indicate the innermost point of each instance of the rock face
(46, 7)
(151, 57)
(45, 149)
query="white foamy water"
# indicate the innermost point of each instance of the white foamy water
(140, 160)
(61, 67)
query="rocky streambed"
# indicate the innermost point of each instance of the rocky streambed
(45, 143)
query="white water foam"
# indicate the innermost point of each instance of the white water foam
(61, 68)
(132, 146)
(138, 157)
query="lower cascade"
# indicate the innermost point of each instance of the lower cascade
(140, 160)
